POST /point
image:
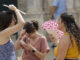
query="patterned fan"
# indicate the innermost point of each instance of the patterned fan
(52, 26)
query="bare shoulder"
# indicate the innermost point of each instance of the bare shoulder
(65, 39)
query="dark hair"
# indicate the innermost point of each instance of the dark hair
(5, 19)
(30, 27)
(71, 27)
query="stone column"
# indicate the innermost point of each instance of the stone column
(77, 9)
(70, 6)
(34, 6)
(35, 12)
(73, 7)
(22, 5)
(77, 4)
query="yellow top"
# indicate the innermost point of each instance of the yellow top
(72, 52)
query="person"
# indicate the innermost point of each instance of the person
(36, 46)
(58, 7)
(8, 2)
(68, 47)
(7, 28)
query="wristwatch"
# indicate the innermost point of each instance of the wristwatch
(33, 51)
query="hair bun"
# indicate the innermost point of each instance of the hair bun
(35, 23)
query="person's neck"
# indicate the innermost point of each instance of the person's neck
(36, 36)
(64, 30)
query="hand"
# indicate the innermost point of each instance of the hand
(12, 7)
(28, 47)
(51, 37)
(22, 33)
(51, 18)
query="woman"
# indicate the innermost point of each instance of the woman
(36, 46)
(68, 47)
(7, 28)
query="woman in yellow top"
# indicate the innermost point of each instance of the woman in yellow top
(68, 46)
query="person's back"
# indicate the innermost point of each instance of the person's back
(60, 7)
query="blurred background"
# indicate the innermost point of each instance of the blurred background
(40, 10)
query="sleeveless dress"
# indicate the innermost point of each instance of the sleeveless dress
(7, 51)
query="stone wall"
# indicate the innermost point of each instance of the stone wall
(34, 9)
(73, 6)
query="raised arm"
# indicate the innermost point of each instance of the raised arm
(11, 30)
(17, 44)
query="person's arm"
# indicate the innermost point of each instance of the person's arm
(17, 44)
(40, 54)
(63, 46)
(11, 30)
(53, 9)
(44, 49)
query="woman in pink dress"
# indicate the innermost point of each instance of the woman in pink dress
(36, 45)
